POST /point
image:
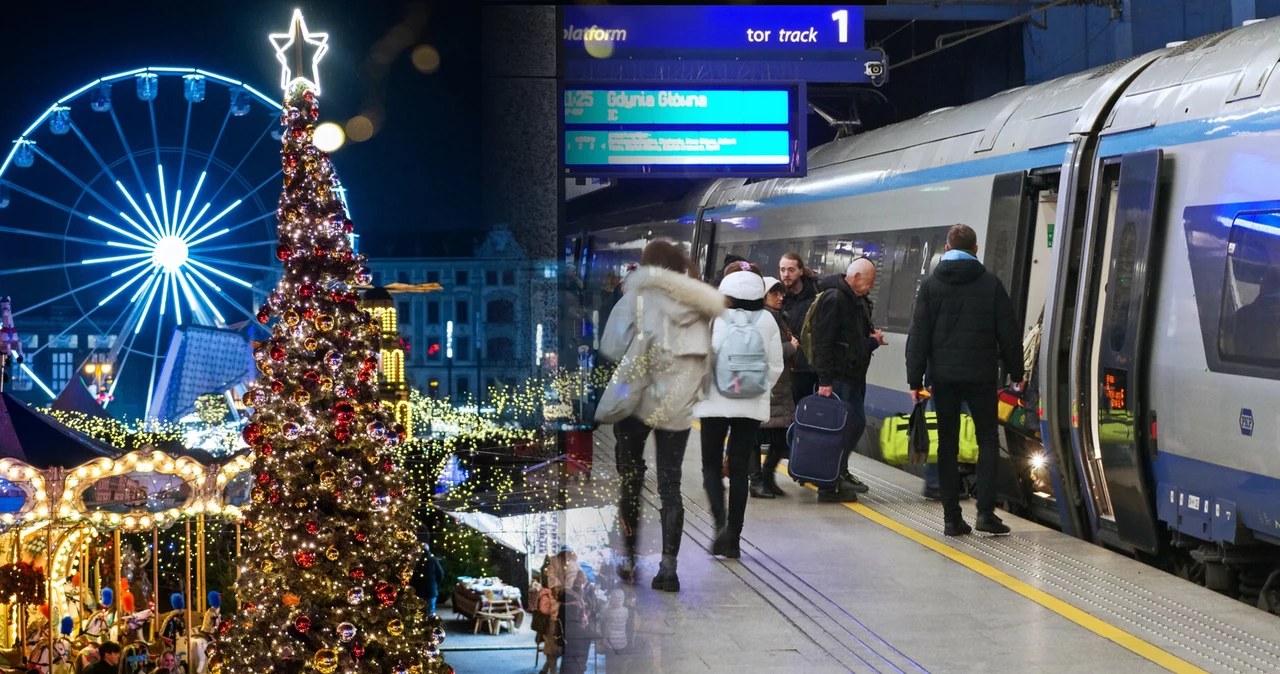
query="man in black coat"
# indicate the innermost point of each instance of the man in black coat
(801, 290)
(843, 340)
(964, 327)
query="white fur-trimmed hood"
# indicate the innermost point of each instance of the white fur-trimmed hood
(691, 293)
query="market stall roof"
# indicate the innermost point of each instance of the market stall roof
(76, 398)
(41, 441)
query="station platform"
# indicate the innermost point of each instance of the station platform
(874, 586)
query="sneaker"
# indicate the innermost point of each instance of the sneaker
(957, 528)
(666, 581)
(841, 494)
(990, 524)
(854, 483)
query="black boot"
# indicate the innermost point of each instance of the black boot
(769, 471)
(672, 532)
(988, 523)
(728, 542)
(759, 489)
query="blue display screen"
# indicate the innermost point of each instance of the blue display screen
(600, 30)
(693, 132)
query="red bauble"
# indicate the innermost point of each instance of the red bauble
(361, 536)
(348, 226)
(386, 594)
(357, 573)
(314, 113)
(298, 133)
(313, 528)
(277, 353)
(308, 314)
(250, 607)
(347, 256)
(335, 296)
(224, 627)
(274, 497)
(266, 449)
(264, 478)
(284, 253)
(343, 411)
(388, 465)
(304, 558)
(342, 434)
(370, 363)
(309, 96)
(311, 378)
(357, 650)
(264, 315)
(251, 434)
(320, 251)
(307, 289)
(302, 624)
(364, 375)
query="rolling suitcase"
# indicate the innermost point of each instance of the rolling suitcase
(823, 429)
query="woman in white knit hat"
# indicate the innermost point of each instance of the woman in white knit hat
(737, 417)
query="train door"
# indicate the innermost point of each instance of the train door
(1109, 351)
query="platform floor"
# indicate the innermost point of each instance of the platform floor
(876, 587)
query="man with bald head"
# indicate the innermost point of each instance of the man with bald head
(843, 340)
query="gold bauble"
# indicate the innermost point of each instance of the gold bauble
(291, 317)
(325, 661)
(324, 322)
(258, 494)
(311, 344)
(331, 554)
(395, 628)
(406, 575)
(415, 668)
(327, 479)
(301, 397)
(290, 599)
(300, 503)
(405, 535)
(268, 566)
(326, 383)
(372, 458)
(264, 367)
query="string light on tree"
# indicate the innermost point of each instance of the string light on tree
(329, 530)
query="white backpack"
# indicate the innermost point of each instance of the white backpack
(742, 367)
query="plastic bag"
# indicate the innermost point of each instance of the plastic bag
(918, 434)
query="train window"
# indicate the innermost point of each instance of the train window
(908, 267)
(1120, 294)
(1249, 328)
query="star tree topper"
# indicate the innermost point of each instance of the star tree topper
(294, 62)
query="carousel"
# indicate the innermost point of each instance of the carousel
(81, 530)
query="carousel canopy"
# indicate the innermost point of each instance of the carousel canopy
(76, 398)
(41, 442)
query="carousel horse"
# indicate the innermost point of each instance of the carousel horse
(131, 629)
(98, 626)
(173, 632)
(63, 652)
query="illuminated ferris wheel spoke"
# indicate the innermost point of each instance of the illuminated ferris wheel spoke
(191, 202)
(238, 246)
(159, 223)
(187, 233)
(274, 123)
(177, 305)
(67, 294)
(235, 263)
(164, 203)
(155, 135)
(124, 142)
(182, 164)
(145, 285)
(200, 291)
(48, 235)
(246, 223)
(219, 272)
(154, 232)
(117, 258)
(215, 219)
(126, 284)
(128, 269)
(151, 295)
(117, 230)
(227, 298)
(72, 177)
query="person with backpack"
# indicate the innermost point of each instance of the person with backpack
(659, 333)
(963, 328)
(839, 337)
(748, 362)
(782, 405)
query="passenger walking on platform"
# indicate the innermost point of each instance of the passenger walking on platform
(802, 290)
(782, 406)
(964, 327)
(843, 340)
(662, 322)
(746, 338)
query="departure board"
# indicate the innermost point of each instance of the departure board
(691, 132)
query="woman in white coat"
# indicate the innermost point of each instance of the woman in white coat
(739, 418)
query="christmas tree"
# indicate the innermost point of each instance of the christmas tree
(330, 546)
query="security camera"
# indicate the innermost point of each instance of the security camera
(873, 69)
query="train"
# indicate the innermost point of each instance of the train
(1133, 212)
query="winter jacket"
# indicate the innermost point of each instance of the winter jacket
(781, 407)
(748, 287)
(433, 577)
(796, 307)
(964, 325)
(842, 344)
(613, 621)
(675, 312)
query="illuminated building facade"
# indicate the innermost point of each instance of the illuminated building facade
(392, 387)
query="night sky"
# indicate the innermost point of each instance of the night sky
(420, 169)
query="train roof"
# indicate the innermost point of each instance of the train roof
(1216, 75)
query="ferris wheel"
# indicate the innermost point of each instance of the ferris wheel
(137, 203)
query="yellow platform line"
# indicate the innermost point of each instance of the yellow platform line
(1100, 627)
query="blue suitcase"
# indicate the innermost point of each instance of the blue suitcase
(823, 429)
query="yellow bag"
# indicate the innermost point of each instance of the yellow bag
(894, 441)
